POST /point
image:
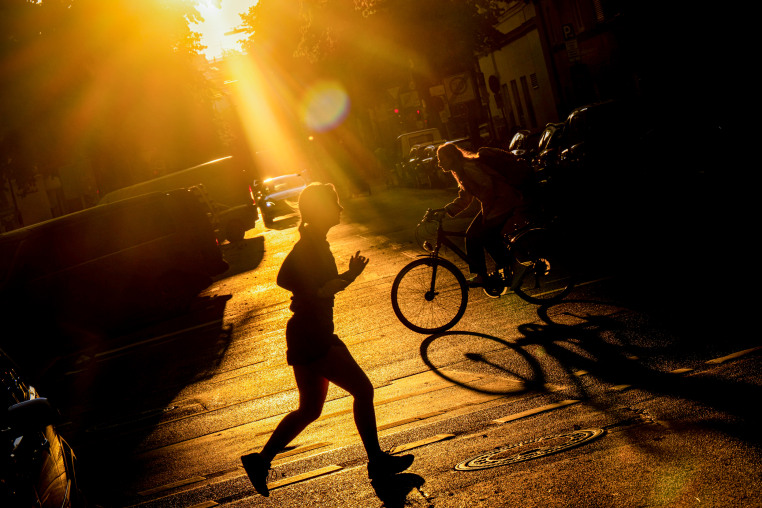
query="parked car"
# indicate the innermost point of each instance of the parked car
(524, 144)
(428, 170)
(225, 184)
(278, 196)
(597, 138)
(114, 264)
(546, 161)
(430, 174)
(37, 465)
(588, 162)
(408, 140)
(407, 170)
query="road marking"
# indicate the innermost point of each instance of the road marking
(412, 419)
(300, 449)
(304, 476)
(168, 486)
(680, 371)
(538, 410)
(595, 281)
(733, 356)
(422, 442)
(396, 398)
(196, 479)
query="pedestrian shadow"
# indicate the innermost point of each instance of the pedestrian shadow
(393, 490)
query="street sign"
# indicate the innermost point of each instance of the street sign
(459, 88)
(570, 40)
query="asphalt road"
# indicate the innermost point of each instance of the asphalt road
(632, 392)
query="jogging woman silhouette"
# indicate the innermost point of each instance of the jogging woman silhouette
(315, 352)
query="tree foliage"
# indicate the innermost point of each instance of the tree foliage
(116, 83)
(442, 34)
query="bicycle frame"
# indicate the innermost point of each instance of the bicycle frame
(426, 302)
(443, 238)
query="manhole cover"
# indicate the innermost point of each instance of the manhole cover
(530, 449)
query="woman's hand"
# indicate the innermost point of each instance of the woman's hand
(357, 264)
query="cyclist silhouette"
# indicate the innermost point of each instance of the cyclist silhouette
(314, 351)
(499, 200)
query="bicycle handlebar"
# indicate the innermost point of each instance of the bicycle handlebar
(433, 215)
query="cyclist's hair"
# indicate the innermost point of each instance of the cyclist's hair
(314, 199)
(452, 151)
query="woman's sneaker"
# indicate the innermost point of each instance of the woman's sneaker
(257, 468)
(387, 465)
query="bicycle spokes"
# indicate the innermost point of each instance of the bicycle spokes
(429, 295)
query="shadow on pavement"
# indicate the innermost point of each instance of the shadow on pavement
(519, 379)
(242, 256)
(608, 348)
(393, 491)
(121, 390)
(608, 359)
(285, 222)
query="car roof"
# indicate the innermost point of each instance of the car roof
(282, 177)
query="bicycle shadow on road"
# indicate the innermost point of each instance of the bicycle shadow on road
(609, 346)
(522, 377)
(598, 346)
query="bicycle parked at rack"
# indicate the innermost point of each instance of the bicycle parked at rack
(430, 294)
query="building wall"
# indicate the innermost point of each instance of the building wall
(557, 55)
(524, 82)
(522, 73)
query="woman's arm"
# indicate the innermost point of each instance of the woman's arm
(299, 274)
(288, 276)
(460, 203)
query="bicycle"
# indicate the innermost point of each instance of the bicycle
(430, 294)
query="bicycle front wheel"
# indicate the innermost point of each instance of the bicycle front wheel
(542, 270)
(429, 295)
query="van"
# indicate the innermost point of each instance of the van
(118, 263)
(225, 184)
(408, 140)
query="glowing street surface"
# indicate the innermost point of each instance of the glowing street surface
(586, 403)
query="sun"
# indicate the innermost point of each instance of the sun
(219, 22)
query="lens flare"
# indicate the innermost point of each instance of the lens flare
(325, 106)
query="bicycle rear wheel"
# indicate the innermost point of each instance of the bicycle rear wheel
(544, 276)
(429, 295)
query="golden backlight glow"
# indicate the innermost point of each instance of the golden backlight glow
(264, 101)
(219, 29)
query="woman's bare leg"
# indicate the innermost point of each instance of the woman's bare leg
(340, 368)
(313, 389)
